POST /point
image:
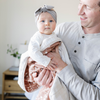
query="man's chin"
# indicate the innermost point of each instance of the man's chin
(83, 24)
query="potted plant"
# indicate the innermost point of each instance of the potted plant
(13, 52)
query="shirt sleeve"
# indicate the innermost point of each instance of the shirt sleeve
(81, 89)
(34, 50)
(78, 86)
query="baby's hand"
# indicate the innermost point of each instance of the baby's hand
(51, 66)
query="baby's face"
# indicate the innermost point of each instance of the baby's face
(46, 24)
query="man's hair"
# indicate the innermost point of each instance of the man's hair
(99, 3)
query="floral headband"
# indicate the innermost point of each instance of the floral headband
(48, 9)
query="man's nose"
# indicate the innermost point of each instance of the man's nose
(81, 9)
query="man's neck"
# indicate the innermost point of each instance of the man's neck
(91, 30)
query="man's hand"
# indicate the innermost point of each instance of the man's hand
(45, 78)
(51, 66)
(56, 60)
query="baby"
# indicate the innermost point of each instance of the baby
(46, 19)
(43, 42)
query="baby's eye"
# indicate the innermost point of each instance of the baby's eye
(42, 21)
(51, 20)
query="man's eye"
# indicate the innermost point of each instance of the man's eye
(51, 20)
(88, 7)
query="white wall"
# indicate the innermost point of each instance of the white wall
(17, 23)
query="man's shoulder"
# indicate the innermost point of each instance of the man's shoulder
(68, 24)
(67, 27)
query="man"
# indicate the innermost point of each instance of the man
(83, 43)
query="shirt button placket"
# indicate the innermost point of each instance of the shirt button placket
(83, 36)
(79, 42)
(75, 51)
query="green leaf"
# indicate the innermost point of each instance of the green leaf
(13, 52)
(18, 57)
(14, 55)
(17, 52)
(11, 46)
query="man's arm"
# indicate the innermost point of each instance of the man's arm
(77, 86)
(81, 89)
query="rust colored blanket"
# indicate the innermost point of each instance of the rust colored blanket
(34, 67)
